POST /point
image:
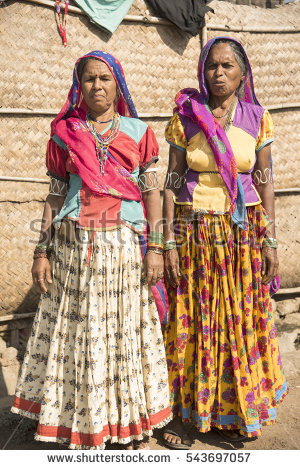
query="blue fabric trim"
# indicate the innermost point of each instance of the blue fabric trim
(134, 128)
(266, 142)
(132, 211)
(59, 142)
(176, 146)
(280, 392)
(240, 213)
(72, 205)
(234, 419)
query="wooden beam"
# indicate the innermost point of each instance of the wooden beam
(16, 316)
(14, 112)
(134, 18)
(24, 179)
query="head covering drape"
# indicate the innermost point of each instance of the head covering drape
(76, 106)
(193, 104)
(70, 126)
(116, 180)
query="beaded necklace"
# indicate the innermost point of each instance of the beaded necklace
(229, 117)
(62, 25)
(228, 114)
(102, 143)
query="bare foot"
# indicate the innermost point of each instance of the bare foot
(142, 445)
(128, 446)
(175, 435)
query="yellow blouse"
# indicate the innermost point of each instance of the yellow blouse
(211, 192)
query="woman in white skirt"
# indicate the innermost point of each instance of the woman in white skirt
(95, 367)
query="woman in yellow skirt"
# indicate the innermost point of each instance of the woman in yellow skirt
(222, 351)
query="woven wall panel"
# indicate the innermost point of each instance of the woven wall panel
(19, 191)
(23, 144)
(288, 234)
(37, 73)
(245, 16)
(286, 149)
(19, 232)
(17, 244)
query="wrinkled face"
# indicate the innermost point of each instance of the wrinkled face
(222, 72)
(98, 87)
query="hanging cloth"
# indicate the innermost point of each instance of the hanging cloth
(186, 14)
(107, 14)
(62, 22)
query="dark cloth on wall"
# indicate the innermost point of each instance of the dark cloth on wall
(186, 14)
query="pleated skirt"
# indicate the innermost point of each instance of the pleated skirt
(95, 366)
(221, 343)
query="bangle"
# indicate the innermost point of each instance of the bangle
(40, 254)
(270, 242)
(160, 246)
(41, 247)
(158, 251)
(169, 245)
(156, 237)
(42, 251)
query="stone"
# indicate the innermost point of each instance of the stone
(287, 341)
(274, 305)
(286, 307)
(9, 356)
(291, 364)
(277, 319)
(2, 346)
(8, 379)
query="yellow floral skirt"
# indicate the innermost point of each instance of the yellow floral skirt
(221, 343)
(95, 366)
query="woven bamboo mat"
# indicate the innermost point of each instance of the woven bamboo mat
(20, 192)
(36, 71)
(19, 231)
(230, 15)
(286, 149)
(23, 144)
(287, 232)
(149, 54)
(16, 249)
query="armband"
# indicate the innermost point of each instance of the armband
(264, 177)
(148, 180)
(174, 180)
(58, 187)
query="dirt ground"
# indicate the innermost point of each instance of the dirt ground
(18, 432)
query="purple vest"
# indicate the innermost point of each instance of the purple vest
(247, 116)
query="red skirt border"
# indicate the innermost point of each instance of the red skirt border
(109, 431)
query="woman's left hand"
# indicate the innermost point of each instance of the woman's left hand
(269, 264)
(153, 267)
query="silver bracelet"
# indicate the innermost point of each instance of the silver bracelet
(149, 181)
(263, 178)
(58, 187)
(174, 180)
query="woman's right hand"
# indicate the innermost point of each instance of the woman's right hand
(172, 271)
(40, 271)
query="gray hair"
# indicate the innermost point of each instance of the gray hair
(82, 63)
(237, 51)
(239, 57)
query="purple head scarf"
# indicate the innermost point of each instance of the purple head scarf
(192, 103)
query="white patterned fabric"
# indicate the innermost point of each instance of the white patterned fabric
(95, 366)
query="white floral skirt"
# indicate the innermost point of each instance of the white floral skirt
(95, 367)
